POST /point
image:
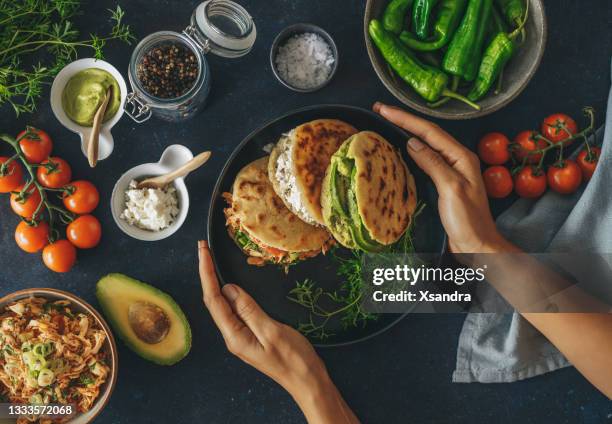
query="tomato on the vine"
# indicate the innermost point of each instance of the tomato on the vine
(530, 182)
(498, 181)
(54, 173)
(36, 145)
(59, 256)
(564, 176)
(25, 203)
(32, 238)
(526, 142)
(11, 175)
(84, 232)
(587, 161)
(556, 127)
(81, 197)
(494, 149)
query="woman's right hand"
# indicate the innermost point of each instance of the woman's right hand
(455, 170)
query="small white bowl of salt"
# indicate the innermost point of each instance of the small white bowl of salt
(304, 57)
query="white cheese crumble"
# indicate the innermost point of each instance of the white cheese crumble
(305, 61)
(150, 208)
(287, 182)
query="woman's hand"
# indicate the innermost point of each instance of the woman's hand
(273, 348)
(455, 170)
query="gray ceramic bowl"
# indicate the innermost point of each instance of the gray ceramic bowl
(300, 29)
(517, 74)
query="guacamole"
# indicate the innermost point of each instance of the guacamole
(85, 92)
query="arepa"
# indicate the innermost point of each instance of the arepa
(298, 163)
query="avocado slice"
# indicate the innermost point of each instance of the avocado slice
(361, 235)
(148, 320)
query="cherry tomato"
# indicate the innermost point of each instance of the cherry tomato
(82, 198)
(530, 182)
(36, 147)
(588, 162)
(32, 238)
(526, 142)
(498, 182)
(553, 127)
(494, 149)
(55, 174)
(565, 176)
(59, 256)
(11, 175)
(25, 204)
(84, 232)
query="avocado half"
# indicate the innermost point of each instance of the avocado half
(148, 320)
(339, 202)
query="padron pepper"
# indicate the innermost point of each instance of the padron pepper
(464, 52)
(494, 60)
(430, 83)
(449, 15)
(513, 10)
(395, 14)
(421, 15)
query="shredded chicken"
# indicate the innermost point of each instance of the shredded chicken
(50, 354)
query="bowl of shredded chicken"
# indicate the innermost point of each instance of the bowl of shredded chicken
(55, 350)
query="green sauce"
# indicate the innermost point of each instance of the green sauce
(85, 92)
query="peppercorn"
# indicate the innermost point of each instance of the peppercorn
(168, 71)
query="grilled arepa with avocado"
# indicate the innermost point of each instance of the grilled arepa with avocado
(369, 195)
(262, 226)
(298, 162)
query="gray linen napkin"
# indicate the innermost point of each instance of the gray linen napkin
(500, 348)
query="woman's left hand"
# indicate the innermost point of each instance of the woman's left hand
(273, 348)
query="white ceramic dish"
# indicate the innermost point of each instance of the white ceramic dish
(173, 157)
(106, 142)
(78, 304)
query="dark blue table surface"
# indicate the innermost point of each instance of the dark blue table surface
(401, 376)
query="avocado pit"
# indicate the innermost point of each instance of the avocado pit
(149, 322)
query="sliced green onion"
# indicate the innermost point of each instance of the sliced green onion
(36, 399)
(45, 377)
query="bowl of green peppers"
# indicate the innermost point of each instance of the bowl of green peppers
(455, 59)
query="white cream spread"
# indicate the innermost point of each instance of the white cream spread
(287, 181)
(150, 208)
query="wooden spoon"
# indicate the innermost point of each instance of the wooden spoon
(92, 145)
(163, 180)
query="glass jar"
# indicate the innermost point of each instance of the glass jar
(221, 27)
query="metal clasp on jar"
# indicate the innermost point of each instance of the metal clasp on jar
(139, 112)
(201, 42)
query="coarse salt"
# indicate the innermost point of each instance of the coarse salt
(305, 61)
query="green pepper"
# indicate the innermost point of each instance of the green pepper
(429, 82)
(421, 15)
(449, 15)
(494, 60)
(464, 52)
(513, 10)
(395, 15)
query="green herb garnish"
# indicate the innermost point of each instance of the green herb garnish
(344, 303)
(37, 39)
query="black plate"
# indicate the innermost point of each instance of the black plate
(269, 285)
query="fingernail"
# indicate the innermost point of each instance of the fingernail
(202, 244)
(377, 106)
(230, 291)
(415, 144)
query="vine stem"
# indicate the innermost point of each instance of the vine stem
(551, 145)
(42, 191)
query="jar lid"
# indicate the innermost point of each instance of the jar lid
(227, 26)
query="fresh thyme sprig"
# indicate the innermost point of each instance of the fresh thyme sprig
(37, 39)
(346, 302)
